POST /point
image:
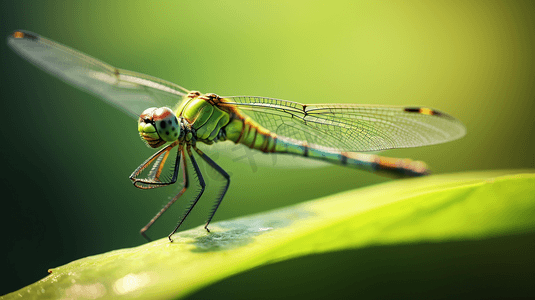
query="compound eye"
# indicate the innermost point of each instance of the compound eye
(146, 115)
(166, 124)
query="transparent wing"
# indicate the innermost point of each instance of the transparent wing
(130, 91)
(351, 127)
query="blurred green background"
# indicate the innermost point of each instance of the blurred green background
(67, 155)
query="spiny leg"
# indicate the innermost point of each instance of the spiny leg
(185, 185)
(155, 182)
(202, 184)
(223, 192)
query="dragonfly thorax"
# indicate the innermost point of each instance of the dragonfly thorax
(158, 126)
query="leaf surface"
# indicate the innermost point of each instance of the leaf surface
(442, 208)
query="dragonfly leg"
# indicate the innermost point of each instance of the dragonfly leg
(185, 185)
(223, 191)
(202, 184)
(159, 158)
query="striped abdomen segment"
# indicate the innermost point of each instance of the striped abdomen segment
(247, 132)
(388, 166)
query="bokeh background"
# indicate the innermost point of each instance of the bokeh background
(67, 155)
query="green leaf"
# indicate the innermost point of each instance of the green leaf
(438, 209)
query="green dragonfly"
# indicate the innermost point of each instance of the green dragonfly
(173, 118)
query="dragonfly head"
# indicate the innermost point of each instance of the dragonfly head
(157, 126)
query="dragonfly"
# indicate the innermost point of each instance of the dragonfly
(176, 121)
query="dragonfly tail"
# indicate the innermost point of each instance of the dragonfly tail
(245, 131)
(384, 166)
(387, 166)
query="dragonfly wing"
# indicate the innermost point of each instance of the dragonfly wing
(351, 127)
(130, 91)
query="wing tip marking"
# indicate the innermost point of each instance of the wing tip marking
(19, 34)
(427, 111)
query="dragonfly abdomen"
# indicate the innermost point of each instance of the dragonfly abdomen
(243, 130)
(388, 166)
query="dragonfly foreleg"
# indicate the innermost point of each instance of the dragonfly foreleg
(223, 191)
(185, 185)
(158, 160)
(201, 183)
